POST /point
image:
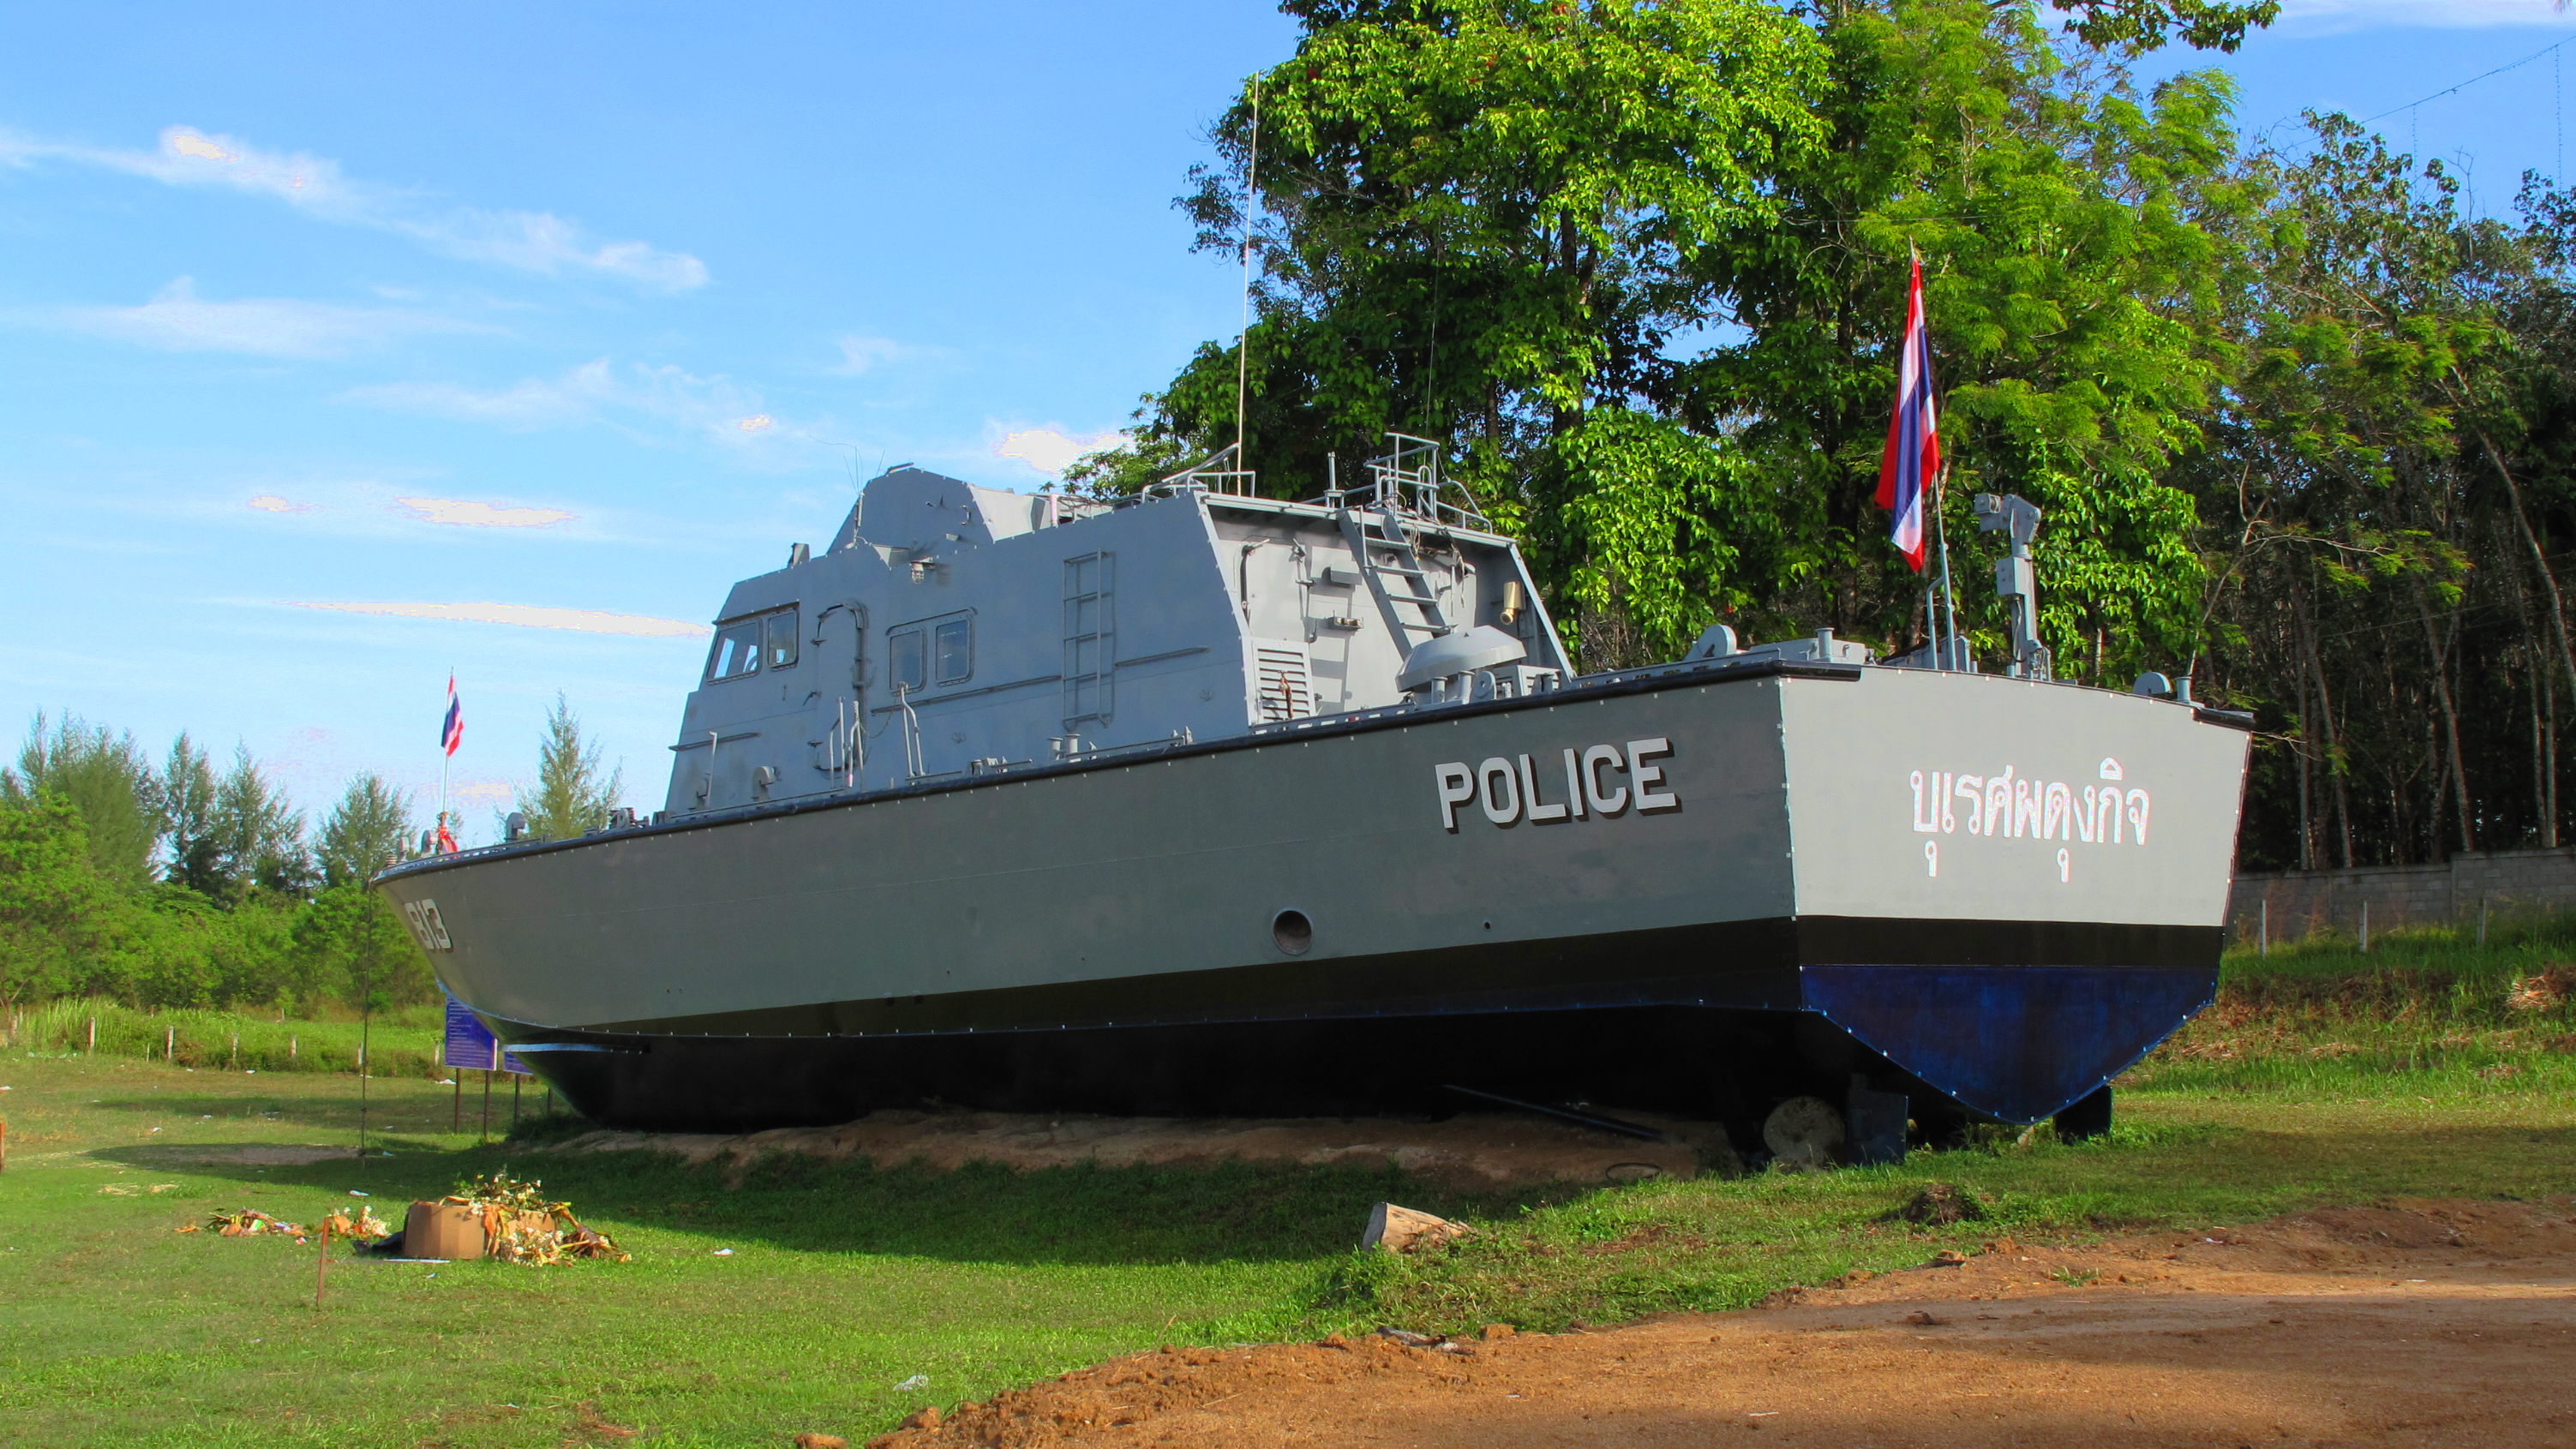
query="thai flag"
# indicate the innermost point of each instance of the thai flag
(1913, 456)
(452, 733)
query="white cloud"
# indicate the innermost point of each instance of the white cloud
(533, 241)
(466, 513)
(537, 242)
(1052, 449)
(533, 616)
(863, 354)
(179, 319)
(271, 503)
(2328, 15)
(597, 391)
(530, 403)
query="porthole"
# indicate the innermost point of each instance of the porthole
(1294, 933)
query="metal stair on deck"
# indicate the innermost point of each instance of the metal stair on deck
(1396, 579)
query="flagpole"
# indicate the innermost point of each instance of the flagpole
(1941, 537)
(1940, 496)
(446, 760)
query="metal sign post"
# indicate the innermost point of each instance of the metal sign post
(471, 1046)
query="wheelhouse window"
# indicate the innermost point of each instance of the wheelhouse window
(737, 651)
(782, 639)
(745, 646)
(932, 651)
(910, 649)
(955, 644)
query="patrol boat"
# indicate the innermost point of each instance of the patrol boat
(1205, 802)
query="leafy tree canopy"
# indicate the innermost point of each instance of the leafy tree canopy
(1643, 266)
(573, 793)
(104, 776)
(370, 828)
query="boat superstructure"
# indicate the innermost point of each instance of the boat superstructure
(951, 630)
(1202, 801)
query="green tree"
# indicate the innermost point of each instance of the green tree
(2388, 477)
(52, 899)
(349, 947)
(257, 837)
(2081, 248)
(573, 795)
(188, 802)
(1643, 268)
(107, 778)
(367, 830)
(2137, 26)
(1475, 218)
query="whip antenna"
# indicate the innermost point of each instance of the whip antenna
(1243, 337)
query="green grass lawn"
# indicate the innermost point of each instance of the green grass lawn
(404, 1041)
(2321, 1078)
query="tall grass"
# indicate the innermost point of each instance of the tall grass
(402, 1042)
(2427, 1010)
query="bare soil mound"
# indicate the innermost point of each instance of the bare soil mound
(1475, 1150)
(2407, 1322)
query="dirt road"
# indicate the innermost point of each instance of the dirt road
(2412, 1323)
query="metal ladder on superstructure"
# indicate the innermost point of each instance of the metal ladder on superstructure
(1383, 542)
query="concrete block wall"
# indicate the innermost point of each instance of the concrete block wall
(2507, 882)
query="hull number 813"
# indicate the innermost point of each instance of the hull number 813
(1586, 781)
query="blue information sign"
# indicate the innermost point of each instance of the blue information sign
(473, 1048)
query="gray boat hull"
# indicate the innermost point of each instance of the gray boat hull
(1699, 888)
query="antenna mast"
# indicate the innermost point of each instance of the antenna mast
(1243, 337)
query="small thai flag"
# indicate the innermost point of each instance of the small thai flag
(1913, 457)
(452, 733)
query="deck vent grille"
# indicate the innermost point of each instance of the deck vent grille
(1283, 684)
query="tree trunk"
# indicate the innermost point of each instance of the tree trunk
(2458, 774)
(2307, 813)
(2334, 745)
(2539, 556)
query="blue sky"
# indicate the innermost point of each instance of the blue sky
(344, 345)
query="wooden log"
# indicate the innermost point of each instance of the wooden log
(1403, 1229)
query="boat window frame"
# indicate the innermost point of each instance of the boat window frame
(960, 627)
(760, 632)
(778, 646)
(924, 635)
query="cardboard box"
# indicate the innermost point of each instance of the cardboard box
(435, 1230)
(454, 1231)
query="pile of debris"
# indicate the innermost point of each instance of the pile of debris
(251, 1222)
(485, 1217)
(501, 1217)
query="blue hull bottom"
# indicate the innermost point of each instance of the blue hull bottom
(2013, 1043)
